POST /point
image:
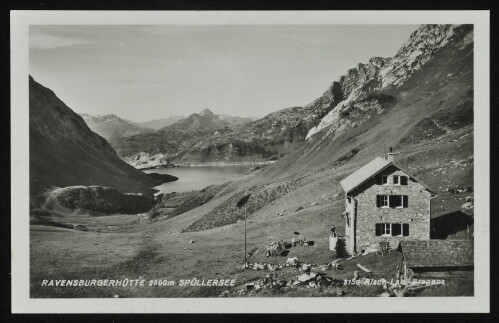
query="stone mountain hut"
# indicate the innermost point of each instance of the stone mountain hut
(384, 204)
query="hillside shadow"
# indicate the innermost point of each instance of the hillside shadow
(284, 253)
(449, 223)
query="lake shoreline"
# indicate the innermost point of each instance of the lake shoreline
(196, 177)
(223, 164)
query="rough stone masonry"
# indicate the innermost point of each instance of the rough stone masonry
(416, 214)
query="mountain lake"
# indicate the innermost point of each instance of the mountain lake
(198, 177)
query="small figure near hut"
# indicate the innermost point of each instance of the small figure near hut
(333, 240)
(297, 239)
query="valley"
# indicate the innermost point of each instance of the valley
(420, 102)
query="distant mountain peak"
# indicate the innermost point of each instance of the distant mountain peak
(110, 126)
(206, 112)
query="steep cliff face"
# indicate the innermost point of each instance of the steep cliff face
(368, 89)
(426, 112)
(65, 152)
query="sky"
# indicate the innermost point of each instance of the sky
(142, 73)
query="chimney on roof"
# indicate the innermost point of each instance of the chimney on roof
(391, 154)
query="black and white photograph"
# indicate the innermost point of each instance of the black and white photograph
(300, 158)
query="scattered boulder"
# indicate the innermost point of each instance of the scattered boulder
(372, 248)
(253, 169)
(467, 205)
(80, 227)
(459, 189)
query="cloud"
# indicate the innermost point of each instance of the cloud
(44, 41)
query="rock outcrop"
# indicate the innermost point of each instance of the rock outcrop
(366, 88)
(144, 160)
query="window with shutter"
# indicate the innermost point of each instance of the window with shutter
(396, 229)
(395, 201)
(382, 201)
(378, 229)
(386, 229)
(405, 229)
(403, 180)
(405, 200)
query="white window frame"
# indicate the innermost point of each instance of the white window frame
(399, 179)
(383, 196)
(387, 229)
(384, 228)
(403, 206)
(384, 179)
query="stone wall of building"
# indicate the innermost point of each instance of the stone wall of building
(417, 214)
(349, 225)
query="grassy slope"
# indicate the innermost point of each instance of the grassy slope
(157, 249)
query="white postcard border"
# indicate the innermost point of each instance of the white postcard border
(21, 303)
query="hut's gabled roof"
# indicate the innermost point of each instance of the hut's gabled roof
(370, 170)
(437, 253)
(364, 173)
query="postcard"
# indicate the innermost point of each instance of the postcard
(274, 161)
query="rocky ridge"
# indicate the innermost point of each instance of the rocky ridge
(364, 85)
(159, 147)
(159, 123)
(111, 126)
